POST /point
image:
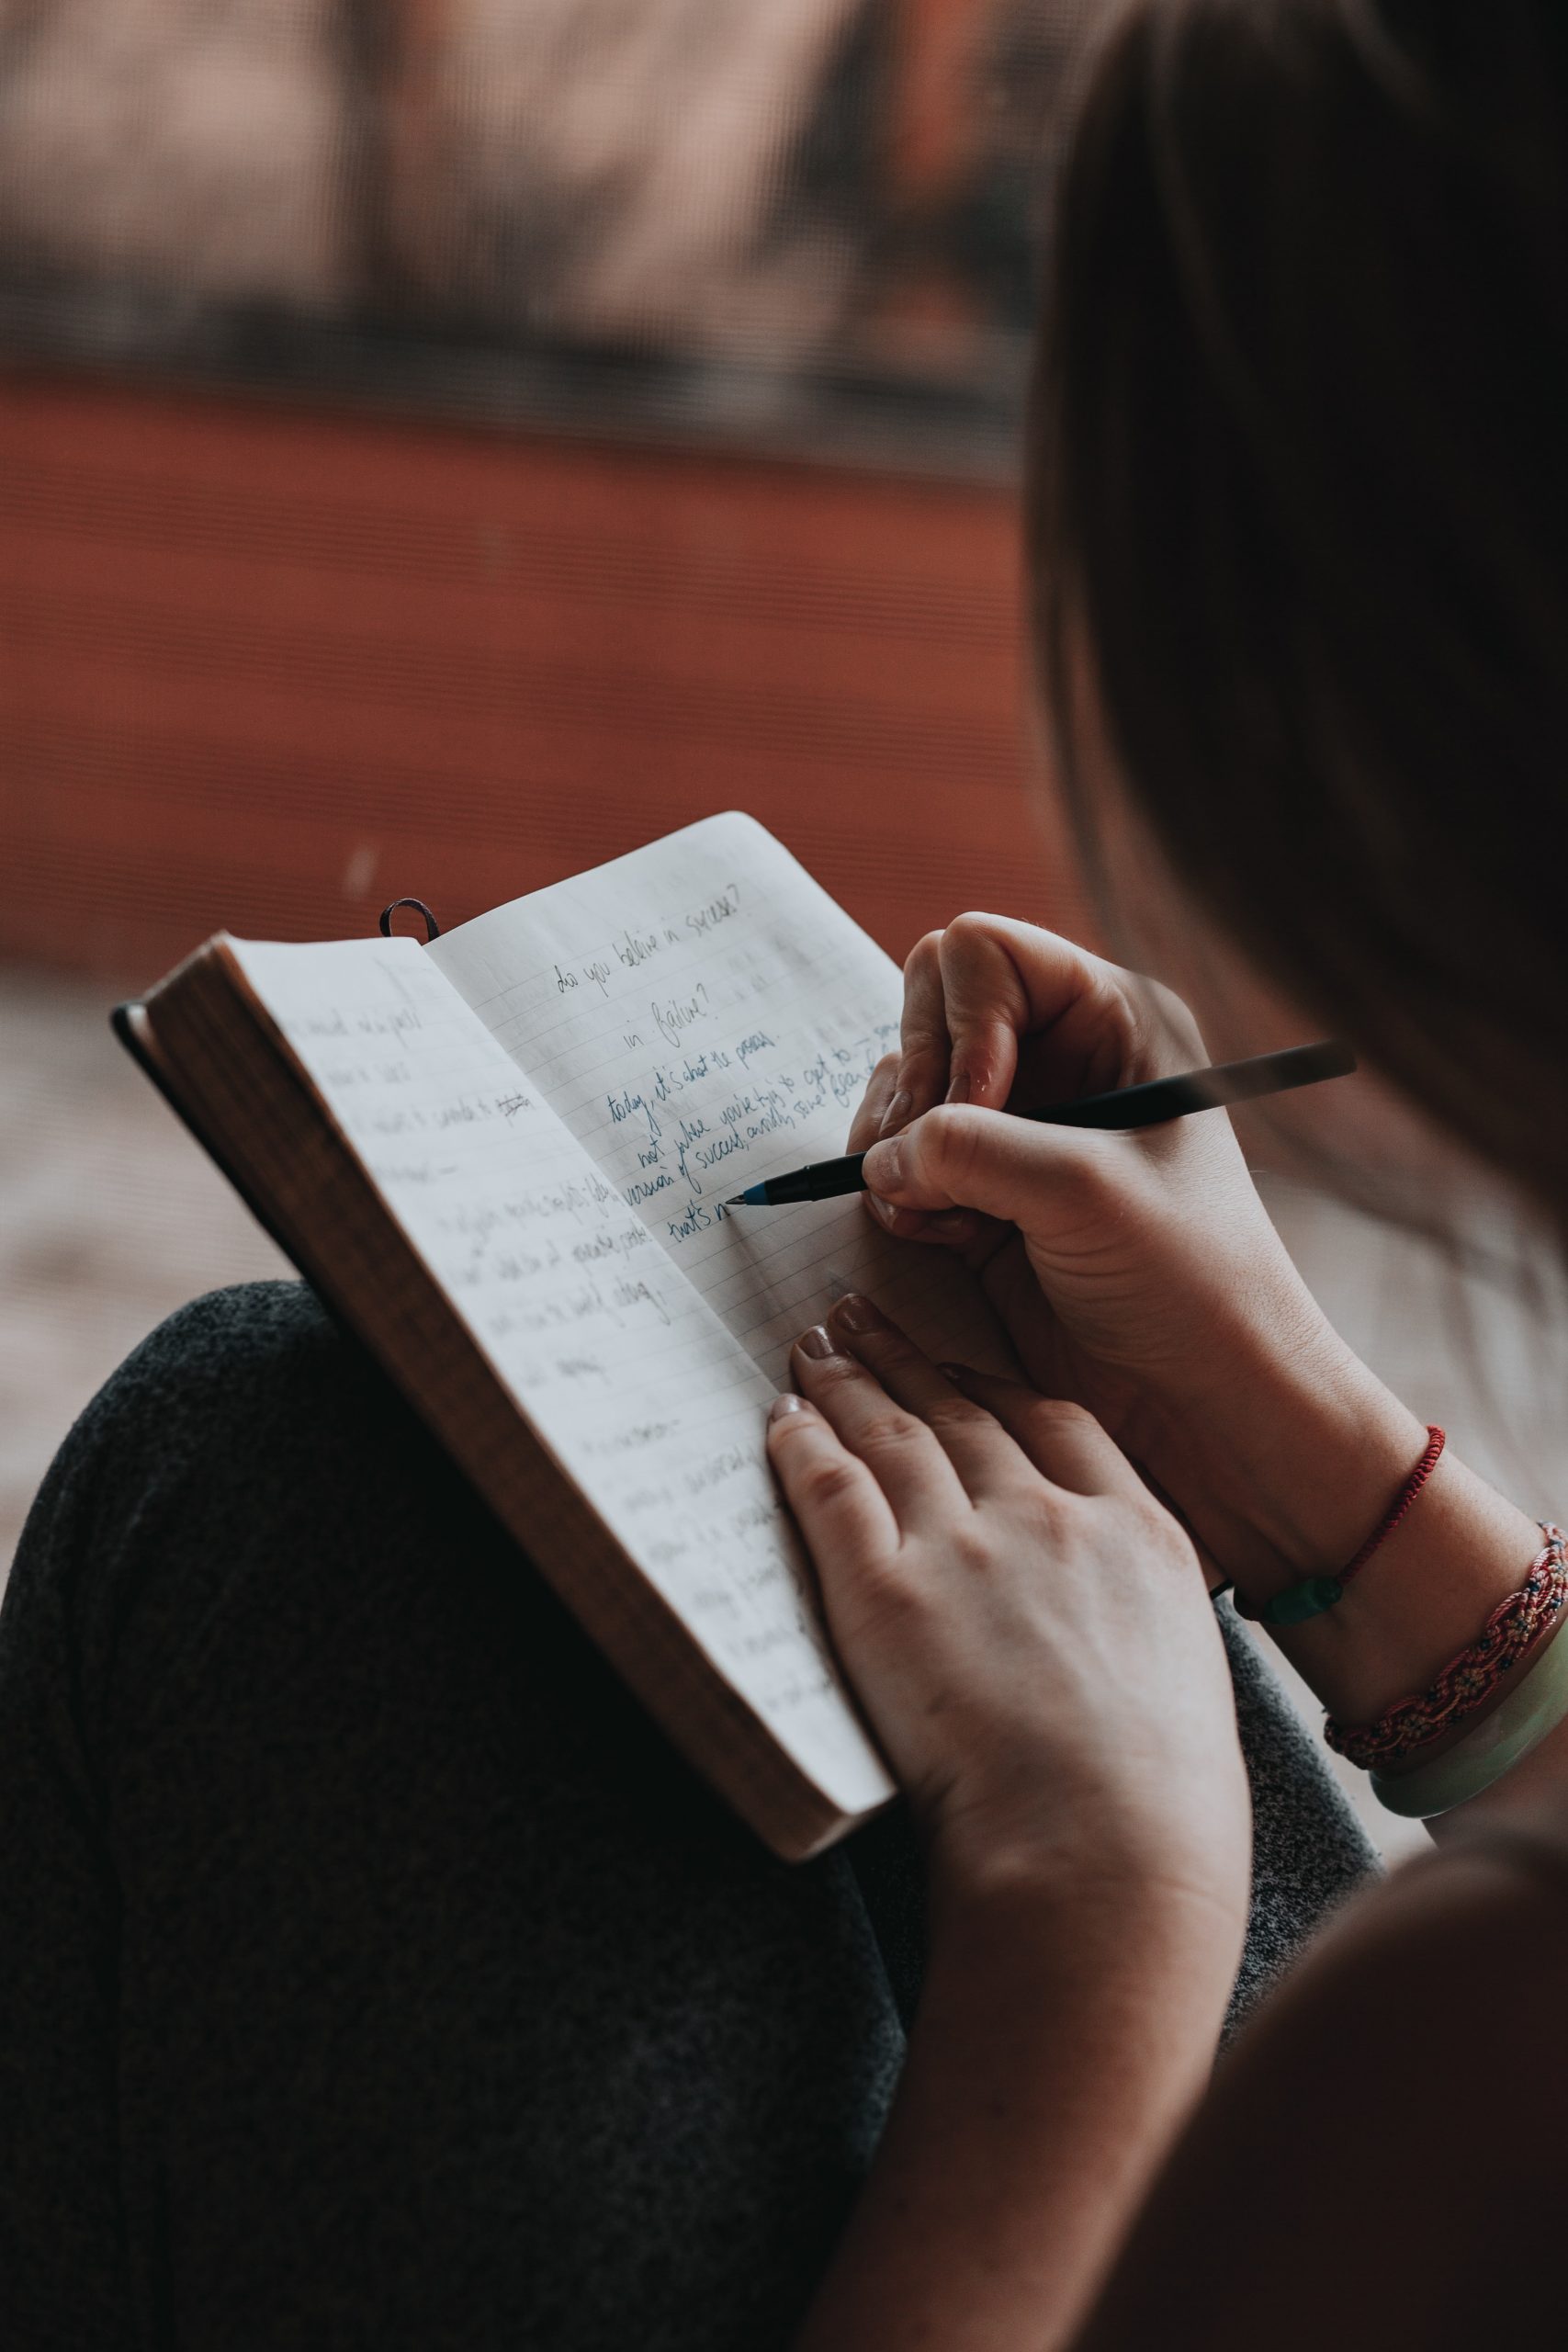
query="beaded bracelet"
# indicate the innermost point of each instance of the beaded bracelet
(1514, 1628)
(1314, 1594)
(1534, 1707)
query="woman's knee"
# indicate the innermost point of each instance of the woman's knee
(246, 1401)
(229, 1368)
(251, 1535)
(247, 1458)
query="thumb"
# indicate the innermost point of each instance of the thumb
(960, 1157)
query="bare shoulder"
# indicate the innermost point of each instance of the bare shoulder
(1363, 2168)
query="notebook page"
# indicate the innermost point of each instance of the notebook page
(631, 1380)
(702, 1014)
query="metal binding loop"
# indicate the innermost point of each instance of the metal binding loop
(432, 928)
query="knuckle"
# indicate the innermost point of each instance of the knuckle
(1158, 1528)
(827, 1480)
(892, 1431)
(1062, 1418)
(885, 1580)
(1175, 1017)
(948, 1139)
(922, 959)
(888, 1351)
(1115, 998)
(886, 1596)
(1051, 1512)
(967, 930)
(1159, 1031)
(972, 1549)
(958, 1414)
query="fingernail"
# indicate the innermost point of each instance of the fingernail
(857, 1314)
(958, 1091)
(883, 1209)
(785, 1403)
(889, 1172)
(816, 1342)
(897, 1114)
(949, 1371)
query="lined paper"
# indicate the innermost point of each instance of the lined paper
(702, 1014)
(639, 1387)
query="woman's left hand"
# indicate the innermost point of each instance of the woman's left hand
(1026, 1627)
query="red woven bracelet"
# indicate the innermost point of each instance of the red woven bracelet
(1436, 1440)
(1468, 1681)
(1314, 1594)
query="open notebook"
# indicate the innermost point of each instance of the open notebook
(502, 1158)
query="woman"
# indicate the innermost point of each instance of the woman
(367, 1970)
(1300, 522)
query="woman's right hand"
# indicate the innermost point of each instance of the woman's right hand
(1137, 1273)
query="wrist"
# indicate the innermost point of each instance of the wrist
(1135, 1969)
(1131, 1886)
(1310, 1467)
(1289, 1453)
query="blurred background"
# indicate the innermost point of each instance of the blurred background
(447, 443)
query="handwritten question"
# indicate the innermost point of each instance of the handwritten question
(632, 949)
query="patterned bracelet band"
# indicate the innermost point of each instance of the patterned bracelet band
(1535, 1704)
(1514, 1628)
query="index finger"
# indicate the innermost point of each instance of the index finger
(866, 1125)
(977, 990)
(1066, 1443)
(1003, 981)
(925, 1049)
(984, 1454)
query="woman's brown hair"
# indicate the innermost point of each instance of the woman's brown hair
(1300, 486)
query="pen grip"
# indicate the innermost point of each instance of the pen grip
(829, 1178)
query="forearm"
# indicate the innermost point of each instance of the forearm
(1062, 2041)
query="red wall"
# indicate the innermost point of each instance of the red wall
(267, 669)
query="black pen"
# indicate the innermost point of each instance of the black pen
(1148, 1106)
